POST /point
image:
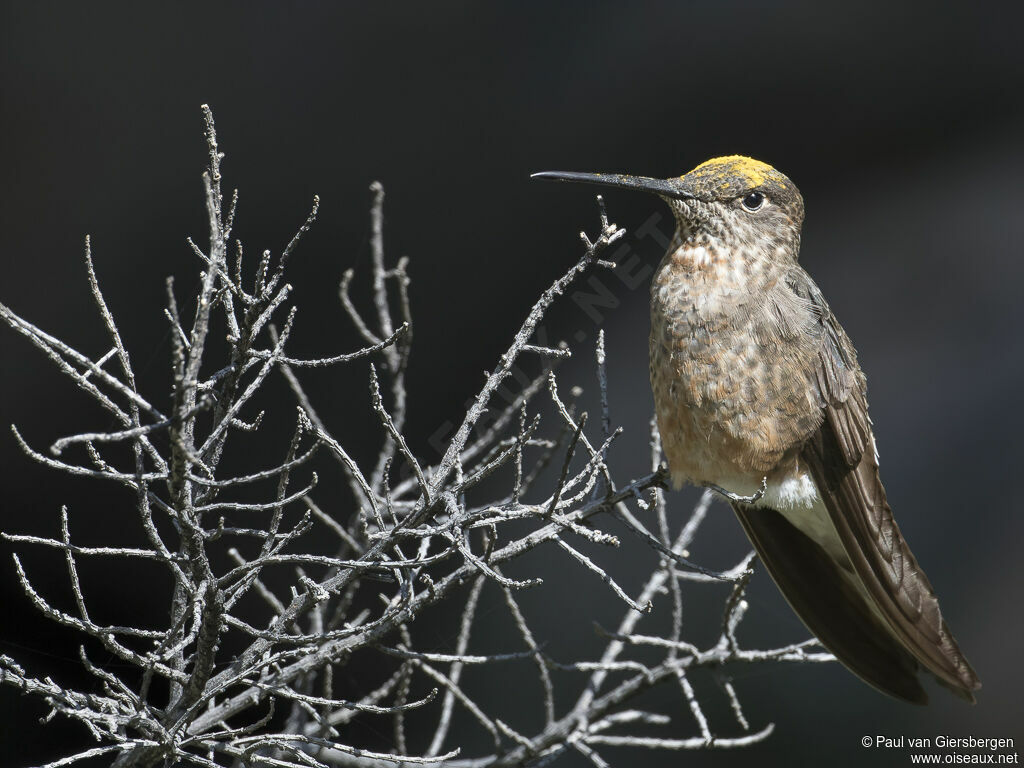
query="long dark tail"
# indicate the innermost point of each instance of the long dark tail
(833, 609)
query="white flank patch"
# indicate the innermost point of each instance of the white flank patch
(792, 492)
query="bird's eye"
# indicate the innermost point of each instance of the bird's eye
(753, 201)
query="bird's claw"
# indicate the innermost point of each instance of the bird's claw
(754, 497)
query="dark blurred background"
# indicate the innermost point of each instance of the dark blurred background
(900, 123)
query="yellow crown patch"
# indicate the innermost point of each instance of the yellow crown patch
(754, 172)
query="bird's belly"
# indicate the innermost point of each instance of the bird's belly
(713, 400)
(732, 403)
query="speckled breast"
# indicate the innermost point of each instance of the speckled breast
(730, 395)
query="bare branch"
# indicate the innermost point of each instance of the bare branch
(272, 650)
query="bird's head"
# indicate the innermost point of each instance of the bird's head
(732, 200)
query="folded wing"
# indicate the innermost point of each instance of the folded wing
(842, 460)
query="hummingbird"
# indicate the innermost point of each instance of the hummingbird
(758, 394)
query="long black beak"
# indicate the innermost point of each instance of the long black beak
(662, 187)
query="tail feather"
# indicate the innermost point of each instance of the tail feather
(830, 605)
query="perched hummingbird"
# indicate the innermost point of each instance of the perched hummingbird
(758, 394)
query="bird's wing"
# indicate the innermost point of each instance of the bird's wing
(842, 460)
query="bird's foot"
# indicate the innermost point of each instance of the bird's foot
(756, 496)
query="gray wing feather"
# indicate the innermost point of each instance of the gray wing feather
(842, 461)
